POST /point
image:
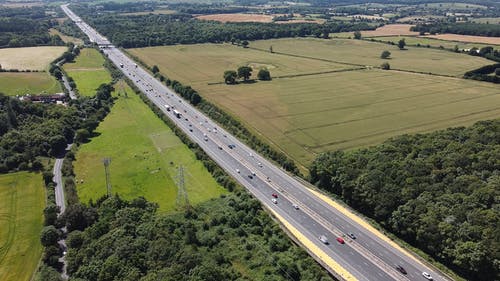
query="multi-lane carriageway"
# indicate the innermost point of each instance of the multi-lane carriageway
(305, 213)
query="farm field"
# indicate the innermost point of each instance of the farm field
(486, 20)
(368, 53)
(191, 61)
(22, 200)
(308, 114)
(88, 71)
(145, 155)
(424, 41)
(21, 83)
(466, 38)
(29, 58)
(386, 30)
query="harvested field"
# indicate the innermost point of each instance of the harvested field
(29, 58)
(466, 38)
(390, 30)
(237, 18)
(304, 115)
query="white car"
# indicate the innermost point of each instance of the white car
(274, 201)
(238, 171)
(323, 239)
(427, 275)
(295, 206)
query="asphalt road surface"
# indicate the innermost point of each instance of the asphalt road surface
(367, 257)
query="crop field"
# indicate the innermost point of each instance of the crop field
(487, 20)
(22, 199)
(386, 30)
(145, 156)
(304, 115)
(424, 41)
(29, 58)
(21, 83)
(88, 71)
(466, 38)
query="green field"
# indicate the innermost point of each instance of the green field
(22, 199)
(21, 83)
(413, 41)
(88, 71)
(309, 114)
(145, 156)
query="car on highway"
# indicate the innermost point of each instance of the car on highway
(275, 195)
(274, 201)
(401, 269)
(238, 171)
(231, 146)
(295, 206)
(323, 239)
(350, 234)
(190, 129)
(250, 176)
(206, 139)
(427, 276)
(340, 240)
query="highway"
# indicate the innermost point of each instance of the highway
(369, 256)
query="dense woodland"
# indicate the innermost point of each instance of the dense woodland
(230, 238)
(29, 130)
(24, 27)
(155, 30)
(478, 29)
(438, 191)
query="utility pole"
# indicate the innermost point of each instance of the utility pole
(182, 197)
(106, 161)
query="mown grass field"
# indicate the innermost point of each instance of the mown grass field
(21, 83)
(309, 114)
(145, 156)
(88, 71)
(32, 58)
(22, 199)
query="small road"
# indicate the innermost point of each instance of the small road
(61, 202)
(72, 94)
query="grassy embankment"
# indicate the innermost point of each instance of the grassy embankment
(32, 58)
(88, 71)
(22, 199)
(145, 156)
(308, 114)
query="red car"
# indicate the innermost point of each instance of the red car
(275, 195)
(340, 240)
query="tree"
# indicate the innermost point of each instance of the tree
(82, 135)
(155, 69)
(57, 74)
(401, 44)
(244, 72)
(264, 75)
(385, 66)
(49, 236)
(497, 72)
(385, 54)
(230, 76)
(195, 98)
(357, 34)
(50, 213)
(245, 44)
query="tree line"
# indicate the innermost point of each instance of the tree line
(467, 28)
(439, 192)
(115, 239)
(156, 30)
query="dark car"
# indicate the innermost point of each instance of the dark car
(400, 269)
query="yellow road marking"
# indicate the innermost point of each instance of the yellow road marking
(330, 262)
(363, 223)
